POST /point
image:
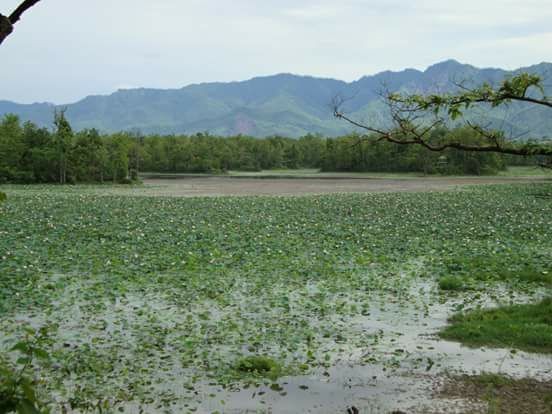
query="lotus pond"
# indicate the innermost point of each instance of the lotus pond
(263, 304)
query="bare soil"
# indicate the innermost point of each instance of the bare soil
(526, 396)
(220, 186)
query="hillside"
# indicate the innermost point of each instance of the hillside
(282, 104)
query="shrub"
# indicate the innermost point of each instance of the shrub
(125, 180)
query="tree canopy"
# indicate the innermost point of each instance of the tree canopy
(30, 154)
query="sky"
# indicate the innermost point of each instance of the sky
(64, 50)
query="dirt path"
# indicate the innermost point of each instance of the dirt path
(217, 186)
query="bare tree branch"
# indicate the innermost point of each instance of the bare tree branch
(23, 7)
(5, 27)
(7, 22)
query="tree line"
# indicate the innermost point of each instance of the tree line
(30, 154)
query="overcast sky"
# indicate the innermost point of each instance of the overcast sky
(63, 50)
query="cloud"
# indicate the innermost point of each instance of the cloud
(63, 50)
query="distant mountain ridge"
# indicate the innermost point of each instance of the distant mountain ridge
(283, 104)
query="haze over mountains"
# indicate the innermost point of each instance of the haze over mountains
(283, 104)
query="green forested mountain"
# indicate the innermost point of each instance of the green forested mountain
(283, 104)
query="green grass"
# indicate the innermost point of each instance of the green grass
(315, 173)
(525, 171)
(452, 283)
(526, 327)
(258, 366)
(511, 172)
(464, 271)
(529, 274)
(140, 291)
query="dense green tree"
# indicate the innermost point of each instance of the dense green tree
(39, 156)
(87, 157)
(136, 155)
(30, 154)
(311, 148)
(117, 163)
(11, 149)
(63, 137)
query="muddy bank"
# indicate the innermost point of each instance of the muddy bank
(216, 186)
(499, 394)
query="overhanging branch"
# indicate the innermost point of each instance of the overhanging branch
(411, 135)
(7, 22)
(412, 114)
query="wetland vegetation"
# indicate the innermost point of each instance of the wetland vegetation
(195, 304)
(396, 295)
(527, 327)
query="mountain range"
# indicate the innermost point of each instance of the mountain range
(283, 104)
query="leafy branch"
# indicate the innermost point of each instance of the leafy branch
(17, 391)
(415, 116)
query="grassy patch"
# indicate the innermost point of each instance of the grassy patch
(527, 327)
(530, 274)
(258, 366)
(463, 273)
(525, 171)
(452, 283)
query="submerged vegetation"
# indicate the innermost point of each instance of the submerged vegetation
(147, 301)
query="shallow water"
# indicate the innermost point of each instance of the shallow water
(400, 368)
(409, 362)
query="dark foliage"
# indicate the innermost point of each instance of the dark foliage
(29, 154)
